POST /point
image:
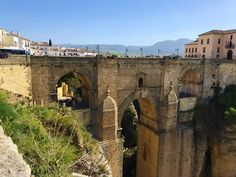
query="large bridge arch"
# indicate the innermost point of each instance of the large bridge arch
(85, 73)
(147, 137)
(190, 82)
(86, 76)
(80, 83)
(136, 95)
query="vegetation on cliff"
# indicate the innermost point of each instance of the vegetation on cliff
(53, 142)
(227, 102)
(213, 117)
(129, 132)
(218, 110)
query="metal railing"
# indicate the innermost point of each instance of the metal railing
(229, 46)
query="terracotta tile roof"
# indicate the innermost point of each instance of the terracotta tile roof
(218, 32)
(212, 32)
(192, 43)
(230, 31)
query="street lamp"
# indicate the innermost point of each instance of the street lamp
(126, 52)
(141, 50)
(98, 49)
(177, 51)
(158, 52)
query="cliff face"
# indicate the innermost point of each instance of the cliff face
(201, 155)
(223, 156)
(11, 162)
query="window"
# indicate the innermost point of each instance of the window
(203, 56)
(195, 50)
(217, 56)
(208, 41)
(231, 37)
(195, 56)
(15, 44)
(204, 50)
(218, 49)
(186, 56)
(202, 41)
(192, 50)
(186, 50)
(218, 41)
(140, 82)
(189, 50)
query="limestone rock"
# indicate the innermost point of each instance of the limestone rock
(11, 162)
(224, 153)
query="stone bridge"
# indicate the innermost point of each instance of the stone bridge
(167, 91)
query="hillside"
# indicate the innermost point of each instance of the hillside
(52, 140)
(167, 47)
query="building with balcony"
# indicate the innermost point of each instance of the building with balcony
(213, 44)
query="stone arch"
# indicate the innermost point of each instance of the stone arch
(85, 88)
(86, 74)
(141, 79)
(190, 83)
(135, 96)
(140, 82)
(147, 137)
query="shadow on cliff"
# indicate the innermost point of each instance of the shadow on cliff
(212, 117)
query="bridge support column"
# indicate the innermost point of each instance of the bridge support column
(168, 146)
(107, 133)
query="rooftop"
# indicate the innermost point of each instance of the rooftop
(192, 43)
(218, 32)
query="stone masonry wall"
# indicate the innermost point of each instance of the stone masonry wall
(15, 76)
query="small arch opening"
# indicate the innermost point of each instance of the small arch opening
(73, 91)
(140, 82)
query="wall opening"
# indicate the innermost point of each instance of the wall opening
(230, 55)
(141, 141)
(140, 82)
(73, 91)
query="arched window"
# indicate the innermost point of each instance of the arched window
(140, 82)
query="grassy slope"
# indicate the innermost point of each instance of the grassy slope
(51, 140)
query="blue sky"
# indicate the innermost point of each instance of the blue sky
(129, 22)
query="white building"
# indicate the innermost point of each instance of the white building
(43, 49)
(10, 40)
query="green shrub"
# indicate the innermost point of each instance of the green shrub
(47, 137)
(7, 111)
(230, 114)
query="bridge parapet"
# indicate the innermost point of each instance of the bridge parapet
(15, 60)
(62, 60)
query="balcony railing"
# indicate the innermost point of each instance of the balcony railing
(229, 46)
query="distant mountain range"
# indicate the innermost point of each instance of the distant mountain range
(167, 47)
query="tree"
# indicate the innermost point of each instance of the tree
(50, 42)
